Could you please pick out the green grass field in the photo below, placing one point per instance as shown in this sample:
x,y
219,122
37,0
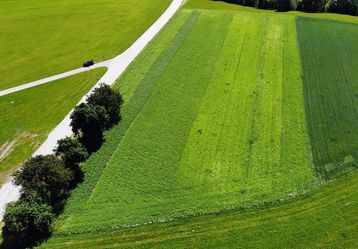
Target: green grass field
x,y
232,123
216,134
42,38
326,218
29,115
331,91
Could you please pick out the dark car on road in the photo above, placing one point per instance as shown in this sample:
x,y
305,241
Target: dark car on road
x,y
88,63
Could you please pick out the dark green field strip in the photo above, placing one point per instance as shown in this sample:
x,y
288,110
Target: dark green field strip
x,y
329,63
96,164
241,150
326,218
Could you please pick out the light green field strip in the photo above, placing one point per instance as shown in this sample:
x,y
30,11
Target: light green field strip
x,y
241,142
297,166
331,90
202,163
47,37
28,116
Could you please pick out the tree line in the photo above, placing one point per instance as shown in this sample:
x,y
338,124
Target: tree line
x,y
46,180
349,7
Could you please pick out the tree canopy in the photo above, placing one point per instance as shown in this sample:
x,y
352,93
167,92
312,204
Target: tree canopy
x,y
26,223
88,123
111,100
47,176
71,152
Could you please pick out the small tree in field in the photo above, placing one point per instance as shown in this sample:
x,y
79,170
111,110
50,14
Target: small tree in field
x,y
88,123
47,176
26,224
111,100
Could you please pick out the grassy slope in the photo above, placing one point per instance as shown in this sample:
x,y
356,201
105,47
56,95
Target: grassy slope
x,y
326,218
29,115
331,91
133,92
173,103
207,133
42,38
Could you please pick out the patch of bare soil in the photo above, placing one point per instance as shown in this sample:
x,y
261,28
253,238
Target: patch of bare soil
x,y
6,149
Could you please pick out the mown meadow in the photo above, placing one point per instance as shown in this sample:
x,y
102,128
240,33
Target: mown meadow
x,y
43,38
216,134
331,92
28,116
325,218
226,136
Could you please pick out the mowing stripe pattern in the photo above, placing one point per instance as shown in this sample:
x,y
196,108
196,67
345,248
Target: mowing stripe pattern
x,y
204,127
331,91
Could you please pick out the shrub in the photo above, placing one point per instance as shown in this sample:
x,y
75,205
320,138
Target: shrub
x,y
111,100
27,223
47,176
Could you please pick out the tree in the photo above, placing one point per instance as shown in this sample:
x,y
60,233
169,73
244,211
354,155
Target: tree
x,y
111,100
31,196
266,4
312,5
88,123
284,5
47,176
72,153
343,7
26,223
